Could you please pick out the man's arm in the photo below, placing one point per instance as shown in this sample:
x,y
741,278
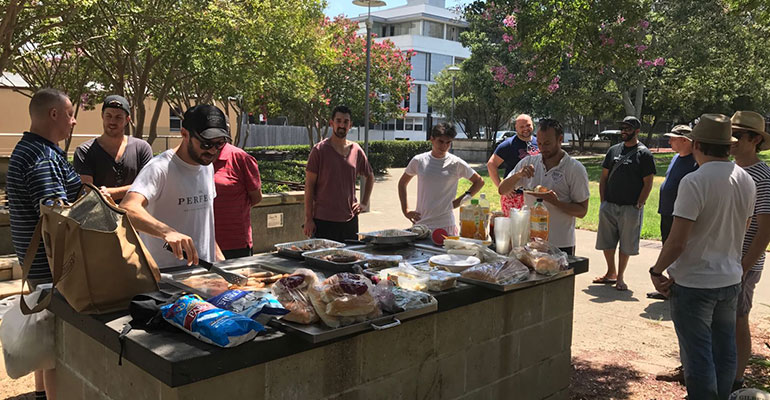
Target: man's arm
x,y
492,167
413,216
116,193
603,183
310,181
759,244
477,184
367,192
134,204
255,197
645,190
672,249
519,173
574,209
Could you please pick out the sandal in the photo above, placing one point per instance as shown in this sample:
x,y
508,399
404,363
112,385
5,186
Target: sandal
x,y
604,280
621,286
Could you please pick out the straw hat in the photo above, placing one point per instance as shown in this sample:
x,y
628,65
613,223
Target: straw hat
x,y
713,129
754,122
679,131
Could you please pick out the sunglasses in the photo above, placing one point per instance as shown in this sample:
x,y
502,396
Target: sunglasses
x,y
739,134
209,144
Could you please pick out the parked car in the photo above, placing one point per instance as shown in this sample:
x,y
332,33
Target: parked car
x,y
500,136
609,134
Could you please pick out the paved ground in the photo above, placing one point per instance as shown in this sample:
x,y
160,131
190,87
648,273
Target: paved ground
x,y
617,329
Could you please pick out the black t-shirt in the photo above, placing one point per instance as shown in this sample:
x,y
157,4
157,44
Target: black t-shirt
x,y
91,159
626,183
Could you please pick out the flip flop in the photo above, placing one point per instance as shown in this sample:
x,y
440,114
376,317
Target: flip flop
x,y
604,280
621,286
656,296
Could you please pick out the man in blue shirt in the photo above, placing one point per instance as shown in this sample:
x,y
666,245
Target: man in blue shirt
x,y
38,169
513,149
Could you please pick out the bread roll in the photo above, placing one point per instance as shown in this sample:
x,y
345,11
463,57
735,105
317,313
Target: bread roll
x,y
292,293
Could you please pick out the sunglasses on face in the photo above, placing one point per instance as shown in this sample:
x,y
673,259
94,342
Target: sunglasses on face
x,y
739,134
209,144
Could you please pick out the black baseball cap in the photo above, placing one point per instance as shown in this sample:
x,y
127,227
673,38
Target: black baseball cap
x,y
206,120
116,101
631,121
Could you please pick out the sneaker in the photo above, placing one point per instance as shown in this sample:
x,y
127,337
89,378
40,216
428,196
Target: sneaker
x,y
673,375
737,385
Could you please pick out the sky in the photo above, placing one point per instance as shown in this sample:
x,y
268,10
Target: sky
x,y
337,7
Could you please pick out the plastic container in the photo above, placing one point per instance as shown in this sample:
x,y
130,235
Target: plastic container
x,y
539,221
486,211
520,224
502,235
471,221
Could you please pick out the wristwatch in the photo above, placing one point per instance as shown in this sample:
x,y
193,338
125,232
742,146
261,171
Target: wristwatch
x,y
468,192
655,274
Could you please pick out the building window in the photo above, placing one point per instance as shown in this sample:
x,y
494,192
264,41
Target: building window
x,y
409,124
420,66
437,63
414,99
391,125
418,124
174,122
407,28
453,33
433,29
399,124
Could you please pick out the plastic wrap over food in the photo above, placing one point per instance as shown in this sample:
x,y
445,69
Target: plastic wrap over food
x,y
542,256
380,262
343,299
504,272
471,248
409,299
259,306
383,293
292,293
439,280
209,323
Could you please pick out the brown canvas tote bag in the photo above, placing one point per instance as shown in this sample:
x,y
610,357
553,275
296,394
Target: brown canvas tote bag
x,y
97,259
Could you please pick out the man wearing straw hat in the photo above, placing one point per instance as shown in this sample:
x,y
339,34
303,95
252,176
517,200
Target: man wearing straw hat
x,y
749,131
702,255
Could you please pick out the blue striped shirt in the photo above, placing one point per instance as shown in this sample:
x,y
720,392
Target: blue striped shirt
x,y
38,169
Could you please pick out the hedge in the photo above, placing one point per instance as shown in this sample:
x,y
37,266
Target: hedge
x,y
383,154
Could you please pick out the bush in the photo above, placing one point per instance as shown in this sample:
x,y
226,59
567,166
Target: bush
x,y
299,152
400,150
380,162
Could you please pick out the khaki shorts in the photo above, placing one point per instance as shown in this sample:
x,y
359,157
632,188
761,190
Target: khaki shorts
x,y
619,224
746,296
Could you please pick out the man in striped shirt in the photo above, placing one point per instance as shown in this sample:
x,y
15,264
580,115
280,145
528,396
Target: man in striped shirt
x,y
39,170
749,129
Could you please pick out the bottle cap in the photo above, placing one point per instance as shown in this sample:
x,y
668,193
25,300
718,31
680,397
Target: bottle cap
x,y
475,201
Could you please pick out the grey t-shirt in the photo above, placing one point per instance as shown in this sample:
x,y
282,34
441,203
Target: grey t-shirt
x,y
91,159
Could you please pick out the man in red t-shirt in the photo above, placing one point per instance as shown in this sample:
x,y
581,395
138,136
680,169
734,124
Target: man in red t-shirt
x,y
236,177
331,207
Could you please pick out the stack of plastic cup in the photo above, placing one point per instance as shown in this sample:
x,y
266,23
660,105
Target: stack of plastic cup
x,y
503,235
519,226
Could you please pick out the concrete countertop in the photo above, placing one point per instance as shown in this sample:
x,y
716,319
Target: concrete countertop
x,y
176,358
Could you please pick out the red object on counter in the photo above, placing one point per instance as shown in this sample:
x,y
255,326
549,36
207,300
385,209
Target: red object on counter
x,y
439,235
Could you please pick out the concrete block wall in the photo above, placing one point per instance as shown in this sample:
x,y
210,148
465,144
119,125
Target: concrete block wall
x,y
515,346
471,150
292,207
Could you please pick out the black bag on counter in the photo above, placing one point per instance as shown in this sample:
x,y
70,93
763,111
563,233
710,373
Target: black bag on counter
x,y
145,315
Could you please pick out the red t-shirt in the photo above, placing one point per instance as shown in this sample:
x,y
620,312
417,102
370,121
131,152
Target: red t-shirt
x,y
235,175
335,188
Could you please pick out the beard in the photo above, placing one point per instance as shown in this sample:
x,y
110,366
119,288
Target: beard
x,y
627,136
341,133
198,158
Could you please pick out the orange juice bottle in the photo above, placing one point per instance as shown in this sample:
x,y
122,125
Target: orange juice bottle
x,y
539,221
469,219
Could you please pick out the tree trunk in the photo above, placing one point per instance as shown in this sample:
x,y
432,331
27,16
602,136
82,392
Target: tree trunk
x,y
649,134
632,108
154,119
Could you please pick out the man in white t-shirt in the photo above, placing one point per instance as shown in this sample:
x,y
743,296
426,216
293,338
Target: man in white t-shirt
x,y
703,258
564,177
172,199
437,174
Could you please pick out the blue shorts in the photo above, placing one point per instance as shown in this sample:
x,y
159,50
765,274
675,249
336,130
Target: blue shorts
x,y
619,224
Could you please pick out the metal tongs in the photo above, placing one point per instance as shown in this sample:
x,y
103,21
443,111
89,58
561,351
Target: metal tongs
x,y
231,277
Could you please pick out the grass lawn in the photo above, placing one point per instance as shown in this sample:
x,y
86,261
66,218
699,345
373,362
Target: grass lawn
x,y
651,224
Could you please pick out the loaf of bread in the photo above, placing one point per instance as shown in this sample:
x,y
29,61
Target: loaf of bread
x,y
292,293
343,299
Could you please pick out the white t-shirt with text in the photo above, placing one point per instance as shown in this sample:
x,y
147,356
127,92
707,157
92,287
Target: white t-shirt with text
x,y
719,199
437,186
569,181
181,196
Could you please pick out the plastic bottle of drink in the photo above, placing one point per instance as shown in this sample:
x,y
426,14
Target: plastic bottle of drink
x,y
485,213
539,221
468,216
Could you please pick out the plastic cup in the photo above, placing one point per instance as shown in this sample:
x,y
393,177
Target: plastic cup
x,y
503,235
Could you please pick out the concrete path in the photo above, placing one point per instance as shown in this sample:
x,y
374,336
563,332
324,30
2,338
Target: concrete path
x,y
626,324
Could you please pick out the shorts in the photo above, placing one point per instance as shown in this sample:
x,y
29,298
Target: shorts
x,y
619,223
337,231
746,296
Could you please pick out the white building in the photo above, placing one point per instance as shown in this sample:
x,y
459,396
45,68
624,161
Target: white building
x,y
433,31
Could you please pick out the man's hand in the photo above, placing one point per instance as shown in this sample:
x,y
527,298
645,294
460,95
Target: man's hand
x,y
180,242
413,216
527,171
662,284
309,228
549,196
358,208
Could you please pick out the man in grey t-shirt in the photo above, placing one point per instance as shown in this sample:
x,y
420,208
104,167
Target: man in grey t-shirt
x,y
113,160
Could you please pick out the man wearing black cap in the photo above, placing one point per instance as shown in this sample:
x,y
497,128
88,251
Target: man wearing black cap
x,y
172,199
113,160
626,181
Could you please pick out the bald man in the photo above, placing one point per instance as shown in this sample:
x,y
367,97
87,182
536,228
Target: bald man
x,y
39,170
513,150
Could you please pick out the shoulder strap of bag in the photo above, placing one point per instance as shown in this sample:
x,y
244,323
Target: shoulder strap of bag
x,y
624,158
29,257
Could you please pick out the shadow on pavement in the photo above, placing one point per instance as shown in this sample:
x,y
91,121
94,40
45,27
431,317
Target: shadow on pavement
x,y
603,381
23,396
608,293
657,311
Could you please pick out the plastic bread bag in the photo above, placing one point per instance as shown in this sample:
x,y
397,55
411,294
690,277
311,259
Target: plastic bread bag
x,y
441,280
383,293
503,272
259,306
406,276
542,256
210,324
292,293
344,299
380,262
410,299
